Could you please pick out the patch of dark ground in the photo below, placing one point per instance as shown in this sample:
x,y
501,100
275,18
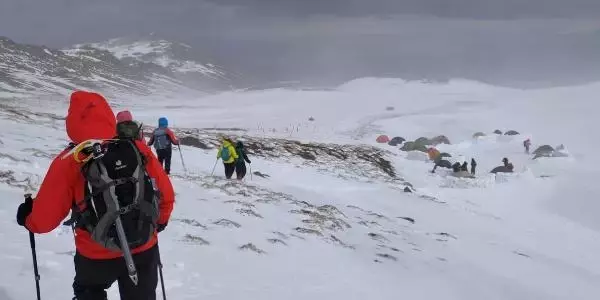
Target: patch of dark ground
x,y
354,160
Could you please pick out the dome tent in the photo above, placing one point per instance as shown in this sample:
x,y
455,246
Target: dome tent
x,y
383,139
395,141
440,139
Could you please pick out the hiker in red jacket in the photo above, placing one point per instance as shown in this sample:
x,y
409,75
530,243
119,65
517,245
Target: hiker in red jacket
x,y
96,267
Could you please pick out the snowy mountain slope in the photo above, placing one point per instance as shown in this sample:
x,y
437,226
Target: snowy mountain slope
x,y
304,231
27,70
174,56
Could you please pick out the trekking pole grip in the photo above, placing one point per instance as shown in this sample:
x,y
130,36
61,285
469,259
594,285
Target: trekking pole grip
x,y
33,255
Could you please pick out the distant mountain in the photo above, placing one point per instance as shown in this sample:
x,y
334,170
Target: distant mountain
x,y
177,57
140,67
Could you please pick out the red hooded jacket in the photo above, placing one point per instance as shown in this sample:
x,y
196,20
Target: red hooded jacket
x,y
89,117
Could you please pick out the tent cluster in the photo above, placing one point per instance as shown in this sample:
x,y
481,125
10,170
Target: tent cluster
x,y
420,144
497,132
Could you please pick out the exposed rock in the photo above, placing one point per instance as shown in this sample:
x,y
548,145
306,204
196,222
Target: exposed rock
x,y
497,131
408,219
190,222
262,175
511,132
194,142
308,231
478,134
378,237
195,239
227,223
407,190
387,256
277,241
252,247
248,212
340,242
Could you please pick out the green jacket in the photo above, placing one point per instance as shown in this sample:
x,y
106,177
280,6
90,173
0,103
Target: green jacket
x,y
233,154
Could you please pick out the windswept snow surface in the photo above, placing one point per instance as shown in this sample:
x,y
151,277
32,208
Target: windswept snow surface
x,y
307,233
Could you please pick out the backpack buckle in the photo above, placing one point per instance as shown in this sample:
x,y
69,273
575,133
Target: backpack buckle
x,y
97,151
128,208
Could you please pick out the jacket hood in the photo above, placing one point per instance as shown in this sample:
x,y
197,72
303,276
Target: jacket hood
x,y
123,116
227,143
89,117
163,122
239,144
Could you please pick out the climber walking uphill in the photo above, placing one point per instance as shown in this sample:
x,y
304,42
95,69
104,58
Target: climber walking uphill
x,y
527,144
240,164
163,138
128,190
229,156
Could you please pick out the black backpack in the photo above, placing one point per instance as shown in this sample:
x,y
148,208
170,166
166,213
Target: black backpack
x,y
118,190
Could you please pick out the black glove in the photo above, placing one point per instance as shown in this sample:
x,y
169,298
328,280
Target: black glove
x,y
24,210
161,227
249,162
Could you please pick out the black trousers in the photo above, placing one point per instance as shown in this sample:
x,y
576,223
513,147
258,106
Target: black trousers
x,y
229,168
93,277
240,170
164,157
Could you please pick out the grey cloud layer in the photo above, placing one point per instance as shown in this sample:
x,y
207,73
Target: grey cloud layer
x,y
501,40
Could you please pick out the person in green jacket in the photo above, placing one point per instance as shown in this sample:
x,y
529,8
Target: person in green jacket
x,y
229,156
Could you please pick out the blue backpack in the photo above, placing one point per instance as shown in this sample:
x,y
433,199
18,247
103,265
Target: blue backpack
x,y
225,155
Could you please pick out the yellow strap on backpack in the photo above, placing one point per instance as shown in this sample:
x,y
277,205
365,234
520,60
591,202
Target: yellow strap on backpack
x,y
76,151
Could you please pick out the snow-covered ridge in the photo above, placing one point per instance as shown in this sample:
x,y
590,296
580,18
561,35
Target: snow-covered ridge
x,y
27,70
175,56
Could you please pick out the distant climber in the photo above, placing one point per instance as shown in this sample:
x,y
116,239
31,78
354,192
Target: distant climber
x,y
162,138
240,163
507,164
229,156
506,168
464,167
527,144
473,166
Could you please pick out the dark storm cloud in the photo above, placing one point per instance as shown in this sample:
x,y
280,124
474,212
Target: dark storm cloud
x,y
478,9
496,40
67,21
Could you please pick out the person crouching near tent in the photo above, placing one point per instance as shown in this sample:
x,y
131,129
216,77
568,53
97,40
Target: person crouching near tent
x,y
229,156
240,163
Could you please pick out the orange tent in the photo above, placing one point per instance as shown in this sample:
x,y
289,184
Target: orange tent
x,y
383,139
433,153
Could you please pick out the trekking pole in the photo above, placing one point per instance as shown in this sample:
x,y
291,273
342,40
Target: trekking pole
x,y
250,172
182,162
214,167
33,254
160,272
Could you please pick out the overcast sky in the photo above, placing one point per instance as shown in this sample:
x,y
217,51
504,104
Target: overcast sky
x,y
535,40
